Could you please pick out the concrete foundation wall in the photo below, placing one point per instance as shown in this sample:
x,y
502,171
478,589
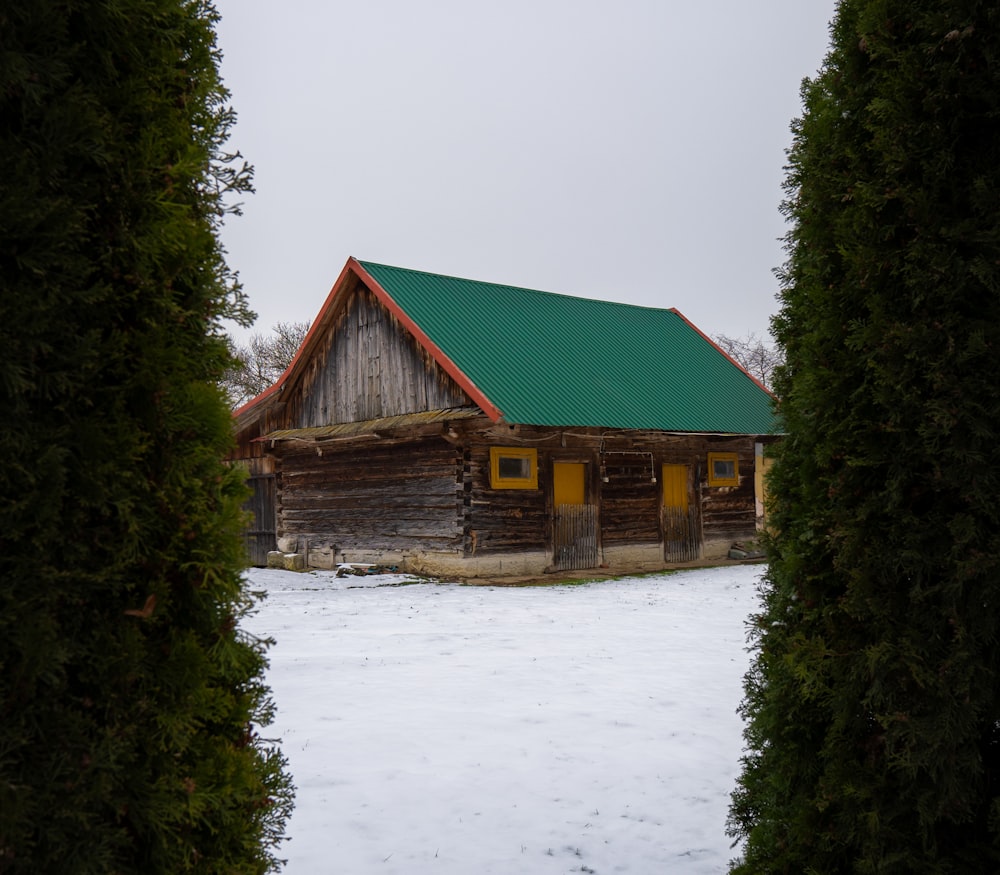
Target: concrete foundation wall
x,y
716,549
633,557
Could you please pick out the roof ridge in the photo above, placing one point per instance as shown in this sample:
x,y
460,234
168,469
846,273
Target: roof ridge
x,y
546,293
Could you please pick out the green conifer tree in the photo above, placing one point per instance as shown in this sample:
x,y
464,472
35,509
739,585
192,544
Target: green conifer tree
x,y
873,703
129,698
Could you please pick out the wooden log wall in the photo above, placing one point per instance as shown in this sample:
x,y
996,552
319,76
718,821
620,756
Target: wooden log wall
x,y
434,494
630,499
622,467
729,512
252,454
373,496
260,506
503,520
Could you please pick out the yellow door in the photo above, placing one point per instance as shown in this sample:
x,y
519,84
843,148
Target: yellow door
x,y
680,525
567,479
574,522
675,486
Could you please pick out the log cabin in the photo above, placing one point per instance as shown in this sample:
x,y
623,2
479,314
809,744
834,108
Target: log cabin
x,y
452,427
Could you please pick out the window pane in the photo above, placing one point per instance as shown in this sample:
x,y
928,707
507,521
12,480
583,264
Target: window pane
x,y
514,467
723,469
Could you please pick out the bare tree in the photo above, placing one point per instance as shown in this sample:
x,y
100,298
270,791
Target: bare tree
x,y
757,357
263,359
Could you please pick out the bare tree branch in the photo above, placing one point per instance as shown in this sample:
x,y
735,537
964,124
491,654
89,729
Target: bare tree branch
x,y
263,359
753,354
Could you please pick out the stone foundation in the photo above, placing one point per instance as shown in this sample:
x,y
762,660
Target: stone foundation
x,y
715,549
300,556
635,557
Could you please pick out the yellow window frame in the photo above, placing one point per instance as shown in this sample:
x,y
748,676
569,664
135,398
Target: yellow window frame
x,y
724,475
501,458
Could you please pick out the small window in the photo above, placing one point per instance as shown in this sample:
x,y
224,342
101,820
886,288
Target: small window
x,y
513,468
723,469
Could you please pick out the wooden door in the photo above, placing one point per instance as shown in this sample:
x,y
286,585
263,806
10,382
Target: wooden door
x,y
260,536
680,520
574,528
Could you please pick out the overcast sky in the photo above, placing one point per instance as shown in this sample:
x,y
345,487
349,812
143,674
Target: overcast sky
x,y
631,150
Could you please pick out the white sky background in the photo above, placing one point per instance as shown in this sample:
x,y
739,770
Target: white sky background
x,y
630,151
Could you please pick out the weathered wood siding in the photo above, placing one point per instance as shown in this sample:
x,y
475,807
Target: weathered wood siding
x,y
429,490
260,507
624,472
251,453
260,535
729,512
367,367
681,534
630,498
576,544
502,520
404,496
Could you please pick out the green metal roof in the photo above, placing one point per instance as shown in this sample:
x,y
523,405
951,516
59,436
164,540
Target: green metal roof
x,y
555,360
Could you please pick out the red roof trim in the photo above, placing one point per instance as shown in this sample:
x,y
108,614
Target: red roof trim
x,y
314,329
709,340
353,266
453,370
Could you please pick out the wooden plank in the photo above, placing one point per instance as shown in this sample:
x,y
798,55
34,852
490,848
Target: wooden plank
x,y
575,538
260,537
681,538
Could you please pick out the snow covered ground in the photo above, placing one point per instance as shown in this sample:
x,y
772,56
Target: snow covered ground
x,y
438,728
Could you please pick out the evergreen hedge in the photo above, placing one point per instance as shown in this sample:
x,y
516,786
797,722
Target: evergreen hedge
x,y
873,703
129,697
